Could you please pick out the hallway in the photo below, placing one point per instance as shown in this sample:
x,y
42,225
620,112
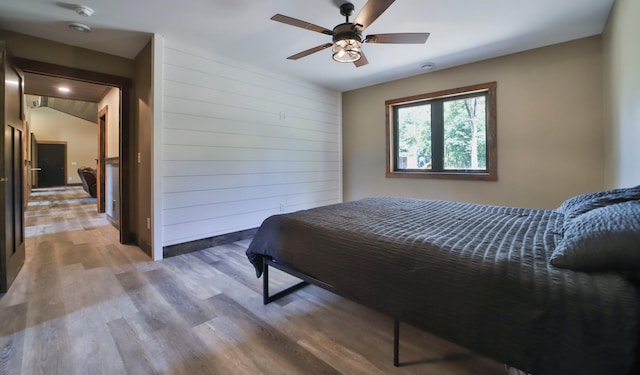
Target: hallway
x,y
60,209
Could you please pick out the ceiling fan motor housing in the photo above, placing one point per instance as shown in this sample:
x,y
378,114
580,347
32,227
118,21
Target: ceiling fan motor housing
x,y
346,31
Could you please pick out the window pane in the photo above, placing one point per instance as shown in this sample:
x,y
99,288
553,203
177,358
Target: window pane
x,y
414,137
465,134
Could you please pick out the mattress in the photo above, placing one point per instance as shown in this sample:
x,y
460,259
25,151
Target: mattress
x,y
476,275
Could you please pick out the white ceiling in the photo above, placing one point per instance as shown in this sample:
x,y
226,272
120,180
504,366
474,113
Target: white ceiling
x,y
462,31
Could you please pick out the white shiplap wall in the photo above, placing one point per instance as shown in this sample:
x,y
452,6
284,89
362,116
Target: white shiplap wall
x,y
241,144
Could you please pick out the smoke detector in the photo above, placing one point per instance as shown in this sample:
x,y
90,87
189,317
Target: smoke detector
x,y
84,10
77,26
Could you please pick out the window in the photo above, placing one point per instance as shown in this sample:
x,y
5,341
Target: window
x,y
446,134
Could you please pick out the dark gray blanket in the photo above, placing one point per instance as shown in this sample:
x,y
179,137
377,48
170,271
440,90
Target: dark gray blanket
x,y
476,275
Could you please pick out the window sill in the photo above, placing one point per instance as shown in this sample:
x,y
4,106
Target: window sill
x,y
482,176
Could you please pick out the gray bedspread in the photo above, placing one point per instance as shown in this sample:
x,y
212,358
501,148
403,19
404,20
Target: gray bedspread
x,y
476,275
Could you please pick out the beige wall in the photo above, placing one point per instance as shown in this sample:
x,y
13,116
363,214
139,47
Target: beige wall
x,y
142,144
621,58
549,129
81,136
112,102
38,49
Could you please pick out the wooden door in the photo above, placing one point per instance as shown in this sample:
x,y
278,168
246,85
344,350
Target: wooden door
x,y
11,172
52,164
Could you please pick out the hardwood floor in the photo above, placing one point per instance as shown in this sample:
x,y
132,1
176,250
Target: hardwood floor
x,y
85,304
61,209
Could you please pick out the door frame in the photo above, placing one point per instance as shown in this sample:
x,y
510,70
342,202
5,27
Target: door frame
x,y
26,158
125,131
33,171
103,121
64,143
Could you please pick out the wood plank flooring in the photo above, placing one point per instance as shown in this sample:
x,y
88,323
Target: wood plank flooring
x,y
85,304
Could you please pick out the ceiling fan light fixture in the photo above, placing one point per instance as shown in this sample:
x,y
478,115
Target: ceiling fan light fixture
x,y
347,50
347,43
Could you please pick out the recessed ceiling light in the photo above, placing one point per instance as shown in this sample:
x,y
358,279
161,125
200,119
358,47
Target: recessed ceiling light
x,y
77,26
64,89
83,10
428,66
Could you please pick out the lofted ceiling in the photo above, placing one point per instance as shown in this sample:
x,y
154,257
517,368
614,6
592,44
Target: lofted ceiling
x,y
462,31
42,85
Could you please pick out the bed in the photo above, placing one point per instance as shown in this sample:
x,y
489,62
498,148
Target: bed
x,y
545,291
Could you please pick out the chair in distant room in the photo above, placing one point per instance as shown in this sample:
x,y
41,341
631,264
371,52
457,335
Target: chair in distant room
x,y
89,180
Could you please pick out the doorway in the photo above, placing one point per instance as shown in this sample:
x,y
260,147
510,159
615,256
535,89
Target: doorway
x,y
53,71
52,164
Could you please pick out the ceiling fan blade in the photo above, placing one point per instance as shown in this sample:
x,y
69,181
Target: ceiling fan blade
x,y
402,38
299,23
309,51
361,61
371,11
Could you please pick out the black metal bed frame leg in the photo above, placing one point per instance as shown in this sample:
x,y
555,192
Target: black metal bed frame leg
x,y
306,280
265,283
266,298
396,342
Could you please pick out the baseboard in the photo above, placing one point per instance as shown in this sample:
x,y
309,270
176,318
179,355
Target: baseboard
x,y
114,222
189,247
144,246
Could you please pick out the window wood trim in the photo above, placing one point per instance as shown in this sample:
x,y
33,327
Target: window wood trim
x,y
491,174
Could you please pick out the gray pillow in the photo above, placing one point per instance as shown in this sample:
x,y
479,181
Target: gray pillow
x,y
603,239
580,204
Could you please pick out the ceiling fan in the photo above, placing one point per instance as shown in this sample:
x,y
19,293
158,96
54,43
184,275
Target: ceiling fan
x,y
347,37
